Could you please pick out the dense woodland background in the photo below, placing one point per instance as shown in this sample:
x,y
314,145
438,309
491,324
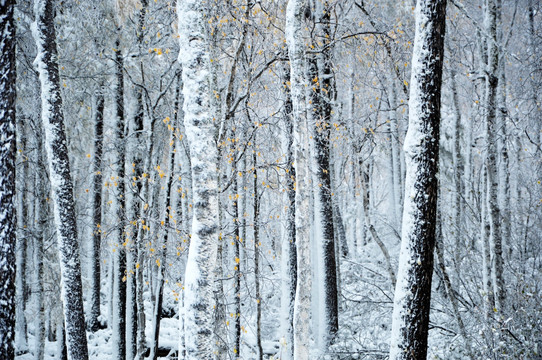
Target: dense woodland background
x,y
130,164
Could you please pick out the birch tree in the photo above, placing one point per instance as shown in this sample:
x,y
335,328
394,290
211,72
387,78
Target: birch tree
x,y
7,179
492,84
61,182
97,213
119,288
410,322
319,117
289,244
200,131
294,19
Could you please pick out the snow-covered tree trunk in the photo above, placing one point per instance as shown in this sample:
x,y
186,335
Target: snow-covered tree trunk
x,y
7,179
61,183
38,288
289,253
302,308
200,132
322,90
119,297
23,193
95,286
323,228
492,84
413,291
237,270
256,227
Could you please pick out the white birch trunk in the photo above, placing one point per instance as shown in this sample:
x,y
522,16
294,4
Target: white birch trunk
x,y
302,319
200,130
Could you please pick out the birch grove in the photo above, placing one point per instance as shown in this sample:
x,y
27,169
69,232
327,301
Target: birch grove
x,y
301,179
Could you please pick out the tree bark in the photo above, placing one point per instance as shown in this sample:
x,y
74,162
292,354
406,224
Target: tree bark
x,y
302,318
413,291
38,290
119,303
492,83
61,183
200,131
256,227
327,93
94,324
289,249
7,179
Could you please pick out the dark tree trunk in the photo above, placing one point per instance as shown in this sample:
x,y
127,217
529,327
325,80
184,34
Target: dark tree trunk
x,y
495,219
237,274
413,291
38,290
257,257
61,182
119,305
291,264
322,95
7,179
321,117
94,324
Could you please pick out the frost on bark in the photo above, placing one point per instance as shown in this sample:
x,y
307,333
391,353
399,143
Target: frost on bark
x,y
38,289
492,84
289,245
321,92
61,182
119,297
294,16
200,131
97,214
413,290
7,180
